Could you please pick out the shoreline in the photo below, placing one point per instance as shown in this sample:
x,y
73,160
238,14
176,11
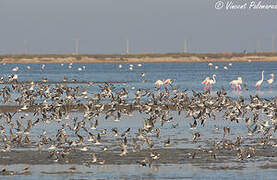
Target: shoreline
x,y
137,58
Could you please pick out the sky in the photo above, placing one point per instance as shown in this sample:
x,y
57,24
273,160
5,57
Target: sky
x,y
157,26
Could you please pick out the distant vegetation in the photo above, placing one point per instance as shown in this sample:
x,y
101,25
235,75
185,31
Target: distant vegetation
x,y
139,55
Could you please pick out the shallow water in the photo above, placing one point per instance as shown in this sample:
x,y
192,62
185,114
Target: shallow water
x,y
122,172
186,76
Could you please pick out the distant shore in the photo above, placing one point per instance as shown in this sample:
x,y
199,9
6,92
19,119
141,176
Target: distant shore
x,y
136,58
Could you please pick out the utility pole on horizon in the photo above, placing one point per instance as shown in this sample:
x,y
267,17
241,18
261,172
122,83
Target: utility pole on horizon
x,y
127,46
76,40
185,46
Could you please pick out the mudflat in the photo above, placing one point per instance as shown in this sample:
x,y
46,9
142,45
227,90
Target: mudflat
x,y
166,156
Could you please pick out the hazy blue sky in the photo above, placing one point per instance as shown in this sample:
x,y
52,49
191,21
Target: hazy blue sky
x,y
49,26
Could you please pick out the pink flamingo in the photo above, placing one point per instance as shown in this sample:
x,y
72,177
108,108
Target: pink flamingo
x,y
236,84
259,83
209,82
270,81
159,83
166,82
212,81
206,82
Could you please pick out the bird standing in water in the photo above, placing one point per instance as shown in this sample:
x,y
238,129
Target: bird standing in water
x,y
159,83
236,84
259,83
212,81
209,82
206,82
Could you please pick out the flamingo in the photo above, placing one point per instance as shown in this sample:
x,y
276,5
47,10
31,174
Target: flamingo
x,y
166,82
271,80
15,69
206,82
212,81
159,83
259,83
210,65
236,83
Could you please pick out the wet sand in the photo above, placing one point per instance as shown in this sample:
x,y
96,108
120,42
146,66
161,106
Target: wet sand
x,y
167,156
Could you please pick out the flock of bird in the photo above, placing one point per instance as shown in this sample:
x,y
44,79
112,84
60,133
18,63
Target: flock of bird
x,y
235,84
39,105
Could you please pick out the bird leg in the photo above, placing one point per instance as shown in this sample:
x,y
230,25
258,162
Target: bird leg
x,y
205,86
233,87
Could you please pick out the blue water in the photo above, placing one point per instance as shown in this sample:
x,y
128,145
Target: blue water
x,y
186,76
